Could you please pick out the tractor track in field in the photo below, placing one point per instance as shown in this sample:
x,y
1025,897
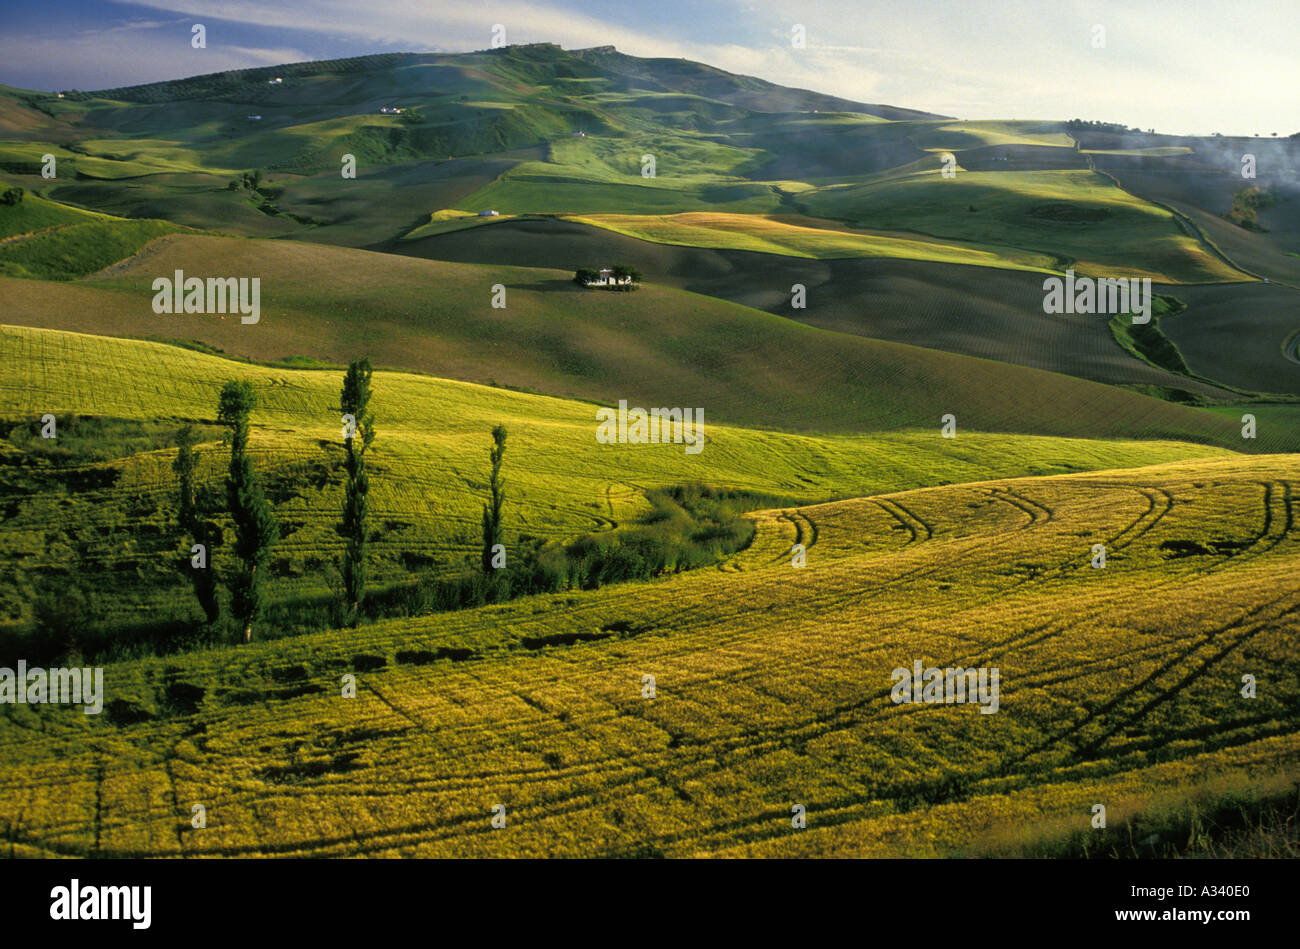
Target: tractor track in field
x,y
1156,498
1197,673
710,759
99,805
1183,656
913,524
806,536
1272,490
1035,509
1004,769
1038,634
1276,494
396,709
983,545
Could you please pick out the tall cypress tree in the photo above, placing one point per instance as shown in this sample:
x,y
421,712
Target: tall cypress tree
x,y
191,520
256,529
492,532
357,436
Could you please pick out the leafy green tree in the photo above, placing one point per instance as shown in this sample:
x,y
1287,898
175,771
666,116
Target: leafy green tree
x,y
191,520
623,272
358,433
492,532
256,529
585,276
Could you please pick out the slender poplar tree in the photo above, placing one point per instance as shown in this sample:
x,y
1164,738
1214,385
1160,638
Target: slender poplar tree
x,y
492,532
358,433
256,529
202,578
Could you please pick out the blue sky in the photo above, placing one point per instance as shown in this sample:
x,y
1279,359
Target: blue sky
x,y
1194,66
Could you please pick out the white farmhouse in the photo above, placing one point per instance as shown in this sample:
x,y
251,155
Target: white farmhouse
x,y
606,278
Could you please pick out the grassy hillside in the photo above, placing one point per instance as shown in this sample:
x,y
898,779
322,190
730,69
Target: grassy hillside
x,y
106,521
800,237
772,688
33,213
1240,335
1076,215
76,250
655,346
51,241
634,565
991,312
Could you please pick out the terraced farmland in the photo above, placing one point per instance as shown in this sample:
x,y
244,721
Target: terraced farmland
x,y
772,689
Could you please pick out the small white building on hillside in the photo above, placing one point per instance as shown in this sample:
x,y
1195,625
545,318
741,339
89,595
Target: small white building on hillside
x,y
605,278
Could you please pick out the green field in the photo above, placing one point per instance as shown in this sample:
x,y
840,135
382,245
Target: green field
x,y
1051,211
34,214
76,250
429,467
801,237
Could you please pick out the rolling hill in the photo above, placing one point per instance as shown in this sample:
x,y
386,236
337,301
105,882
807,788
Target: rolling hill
x,y
738,165
656,346
109,521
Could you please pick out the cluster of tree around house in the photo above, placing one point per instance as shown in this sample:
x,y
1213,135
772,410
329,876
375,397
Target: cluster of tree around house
x,y
618,277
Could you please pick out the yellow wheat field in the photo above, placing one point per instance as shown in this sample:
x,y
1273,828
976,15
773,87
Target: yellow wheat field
x,y
772,688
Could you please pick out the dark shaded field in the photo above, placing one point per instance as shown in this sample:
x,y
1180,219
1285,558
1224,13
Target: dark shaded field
x,y
1237,333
